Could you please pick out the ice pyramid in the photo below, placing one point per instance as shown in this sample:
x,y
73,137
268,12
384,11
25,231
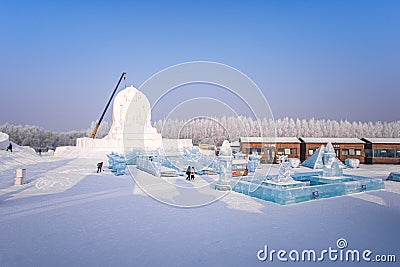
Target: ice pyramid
x,y
316,160
329,148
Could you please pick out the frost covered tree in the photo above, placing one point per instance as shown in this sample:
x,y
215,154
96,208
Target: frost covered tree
x,y
233,127
101,132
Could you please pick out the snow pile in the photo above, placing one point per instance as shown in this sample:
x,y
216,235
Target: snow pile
x,y
4,140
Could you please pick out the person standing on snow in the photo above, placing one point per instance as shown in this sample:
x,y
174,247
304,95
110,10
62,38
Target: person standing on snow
x,y
192,174
9,147
188,173
99,166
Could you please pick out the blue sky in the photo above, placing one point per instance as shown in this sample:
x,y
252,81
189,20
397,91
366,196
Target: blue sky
x,y
60,60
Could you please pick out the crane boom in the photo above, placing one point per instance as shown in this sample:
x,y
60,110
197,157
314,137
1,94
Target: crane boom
x,y
105,109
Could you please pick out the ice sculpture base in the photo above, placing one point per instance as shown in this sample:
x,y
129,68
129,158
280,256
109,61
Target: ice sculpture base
x,y
314,187
284,185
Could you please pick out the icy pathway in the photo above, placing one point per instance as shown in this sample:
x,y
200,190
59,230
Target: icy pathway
x,y
104,220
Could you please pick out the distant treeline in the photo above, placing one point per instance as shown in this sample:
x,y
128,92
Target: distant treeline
x,y
231,128
38,138
213,130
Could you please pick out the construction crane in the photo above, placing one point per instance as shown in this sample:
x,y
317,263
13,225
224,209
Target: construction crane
x,y
108,104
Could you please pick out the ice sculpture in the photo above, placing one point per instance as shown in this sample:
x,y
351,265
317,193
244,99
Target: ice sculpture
x,y
192,153
254,162
116,163
333,170
352,163
394,176
323,156
239,155
315,161
286,189
225,167
294,162
284,173
110,160
331,164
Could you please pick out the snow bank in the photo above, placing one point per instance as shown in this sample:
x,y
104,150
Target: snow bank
x,y
69,152
4,140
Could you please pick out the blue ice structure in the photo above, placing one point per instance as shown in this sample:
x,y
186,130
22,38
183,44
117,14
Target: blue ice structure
x,y
315,161
294,162
156,164
130,157
307,187
254,162
116,163
394,176
225,167
192,156
287,188
111,160
148,164
352,163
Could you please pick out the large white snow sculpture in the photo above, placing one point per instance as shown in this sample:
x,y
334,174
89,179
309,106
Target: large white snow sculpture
x,y
131,128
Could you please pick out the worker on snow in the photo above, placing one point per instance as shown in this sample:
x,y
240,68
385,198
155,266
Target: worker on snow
x,y
99,167
9,147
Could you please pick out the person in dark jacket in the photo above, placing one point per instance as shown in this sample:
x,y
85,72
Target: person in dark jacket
x,y
9,147
188,173
192,174
99,167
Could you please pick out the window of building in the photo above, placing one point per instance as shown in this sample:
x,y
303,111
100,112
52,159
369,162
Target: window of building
x,y
384,153
293,151
358,152
398,154
391,153
345,152
379,153
254,150
287,151
281,151
310,152
352,152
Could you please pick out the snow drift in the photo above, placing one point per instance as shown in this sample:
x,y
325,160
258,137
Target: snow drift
x,y
4,140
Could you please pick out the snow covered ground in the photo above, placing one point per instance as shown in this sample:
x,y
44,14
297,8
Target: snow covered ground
x,y
68,215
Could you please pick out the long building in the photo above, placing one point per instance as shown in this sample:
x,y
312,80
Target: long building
x,y
344,147
382,150
367,150
270,148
